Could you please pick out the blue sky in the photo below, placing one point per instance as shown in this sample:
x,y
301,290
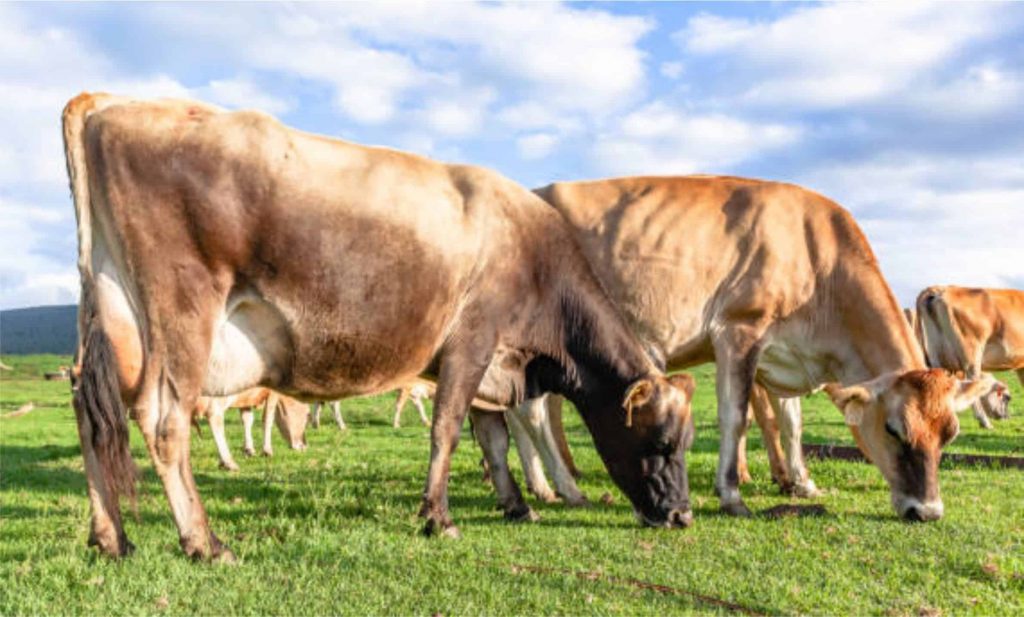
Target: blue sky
x,y
907,114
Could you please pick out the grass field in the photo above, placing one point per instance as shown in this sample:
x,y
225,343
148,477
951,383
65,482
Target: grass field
x,y
333,530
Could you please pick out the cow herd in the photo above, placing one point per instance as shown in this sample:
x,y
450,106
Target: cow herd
x,y
222,251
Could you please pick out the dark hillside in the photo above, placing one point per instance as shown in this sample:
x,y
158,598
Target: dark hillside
x,y
39,329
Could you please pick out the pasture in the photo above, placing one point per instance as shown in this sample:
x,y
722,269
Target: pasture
x,y
333,530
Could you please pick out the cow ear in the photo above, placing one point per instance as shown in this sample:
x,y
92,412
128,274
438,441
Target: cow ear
x,y
685,382
851,401
966,392
639,393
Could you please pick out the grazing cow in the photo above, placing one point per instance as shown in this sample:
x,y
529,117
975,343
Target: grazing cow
x,y
221,251
287,413
777,285
973,330
417,392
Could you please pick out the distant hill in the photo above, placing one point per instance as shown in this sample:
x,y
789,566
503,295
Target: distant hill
x,y
40,329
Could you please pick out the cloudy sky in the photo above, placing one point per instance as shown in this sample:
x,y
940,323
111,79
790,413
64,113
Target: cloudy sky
x,y
910,115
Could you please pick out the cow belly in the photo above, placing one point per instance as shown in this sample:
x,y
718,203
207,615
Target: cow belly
x,y
250,347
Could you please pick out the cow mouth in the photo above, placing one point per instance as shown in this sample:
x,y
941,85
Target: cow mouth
x,y
667,491
677,518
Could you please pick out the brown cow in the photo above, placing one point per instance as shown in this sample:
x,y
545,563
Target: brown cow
x,y
221,251
775,284
973,330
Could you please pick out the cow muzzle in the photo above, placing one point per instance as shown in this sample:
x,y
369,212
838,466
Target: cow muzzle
x,y
913,510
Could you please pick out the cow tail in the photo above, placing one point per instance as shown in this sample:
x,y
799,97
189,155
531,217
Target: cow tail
x,y
102,417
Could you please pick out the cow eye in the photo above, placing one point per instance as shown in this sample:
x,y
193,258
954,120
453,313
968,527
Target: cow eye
x,y
895,435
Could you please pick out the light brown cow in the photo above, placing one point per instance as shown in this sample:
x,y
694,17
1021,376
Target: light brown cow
x,y
288,414
973,330
221,251
775,284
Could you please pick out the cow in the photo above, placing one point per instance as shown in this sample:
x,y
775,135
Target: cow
x,y
287,413
778,286
417,392
219,251
972,330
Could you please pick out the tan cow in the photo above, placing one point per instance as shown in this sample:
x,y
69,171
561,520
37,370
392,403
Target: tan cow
x,y
973,330
288,414
777,285
221,251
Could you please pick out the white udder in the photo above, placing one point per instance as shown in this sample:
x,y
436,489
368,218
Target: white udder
x,y
250,347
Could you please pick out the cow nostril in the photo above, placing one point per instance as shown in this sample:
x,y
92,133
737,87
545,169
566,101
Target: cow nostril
x,y
680,518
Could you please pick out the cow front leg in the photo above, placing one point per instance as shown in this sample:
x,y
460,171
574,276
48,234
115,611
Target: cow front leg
x,y
981,416
165,427
742,469
269,411
529,458
492,434
554,402
403,396
315,419
761,409
418,402
461,371
736,357
217,411
248,419
788,413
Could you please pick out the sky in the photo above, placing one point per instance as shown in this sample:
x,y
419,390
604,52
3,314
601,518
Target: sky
x,y
909,115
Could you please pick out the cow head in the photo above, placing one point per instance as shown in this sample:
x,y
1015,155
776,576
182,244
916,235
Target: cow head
x,y
902,421
291,420
643,444
996,402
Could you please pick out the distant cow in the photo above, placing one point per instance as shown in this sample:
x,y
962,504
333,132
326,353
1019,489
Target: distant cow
x,y
778,286
287,413
973,330
221,251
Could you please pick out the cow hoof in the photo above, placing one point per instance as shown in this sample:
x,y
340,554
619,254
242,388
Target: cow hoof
x,y
115,548
744,477
441,527
522,515
229,466
545,496
737,509
249,452
268,453
806,491
577,501
224,556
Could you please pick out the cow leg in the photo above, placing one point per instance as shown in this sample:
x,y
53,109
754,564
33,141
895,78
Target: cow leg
x,y
736,355
403,396
981,416
315,420
336,406
492,434
217,411
529,457
248,419
762,411
788,413
164,423
462,370
742,469
418,402
554,402
533,414
269,410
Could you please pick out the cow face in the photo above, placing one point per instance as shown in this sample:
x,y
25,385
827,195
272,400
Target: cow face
x,y
902,422
643,448
291,421
996,402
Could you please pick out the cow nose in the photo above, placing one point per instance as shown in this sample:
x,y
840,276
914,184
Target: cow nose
x,y
680,518
913,514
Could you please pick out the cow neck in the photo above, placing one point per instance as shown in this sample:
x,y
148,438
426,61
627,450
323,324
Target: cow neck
x,y
601,356
878,338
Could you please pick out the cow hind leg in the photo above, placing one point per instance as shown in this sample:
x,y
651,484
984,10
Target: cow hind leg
x,y
533,414
336,406
788,413
491,433
315,415
529,458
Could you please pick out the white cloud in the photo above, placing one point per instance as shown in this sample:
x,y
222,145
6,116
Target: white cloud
x,y
661,140
458,114
536,146
840,54
671,70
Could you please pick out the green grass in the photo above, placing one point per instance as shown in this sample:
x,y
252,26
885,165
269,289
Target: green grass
x,y
333,530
